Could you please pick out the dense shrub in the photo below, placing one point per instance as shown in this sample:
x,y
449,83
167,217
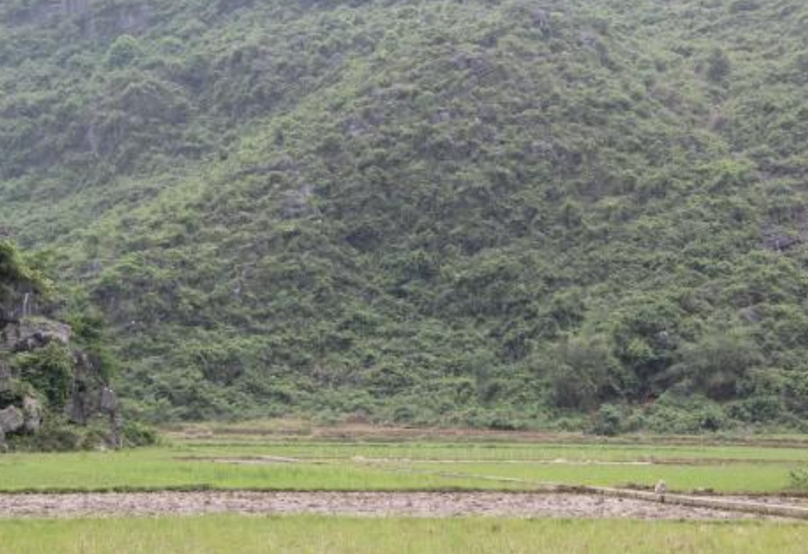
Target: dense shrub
x,y
50,371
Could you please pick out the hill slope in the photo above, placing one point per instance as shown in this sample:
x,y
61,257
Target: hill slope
x,y
490,213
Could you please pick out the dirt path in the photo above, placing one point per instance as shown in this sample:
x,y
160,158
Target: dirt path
x,y
437,504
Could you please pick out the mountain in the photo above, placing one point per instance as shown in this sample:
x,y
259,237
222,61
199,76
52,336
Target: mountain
x,y
589,213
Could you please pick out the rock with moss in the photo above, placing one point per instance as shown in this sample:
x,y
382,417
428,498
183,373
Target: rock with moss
x,y
5,377
32,415
12,420
49,380
32,333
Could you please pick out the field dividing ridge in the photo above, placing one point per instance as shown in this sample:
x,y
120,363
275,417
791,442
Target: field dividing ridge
x,y
378,504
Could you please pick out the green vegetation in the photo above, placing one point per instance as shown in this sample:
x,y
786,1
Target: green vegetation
x,y
49,370
293,535
309,464
161,469
16,271
586,216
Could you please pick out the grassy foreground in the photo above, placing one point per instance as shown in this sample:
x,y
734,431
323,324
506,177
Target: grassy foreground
x,y
318,535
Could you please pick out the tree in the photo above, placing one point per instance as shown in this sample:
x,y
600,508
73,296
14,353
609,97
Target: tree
x,y
715,364
124,51
582,371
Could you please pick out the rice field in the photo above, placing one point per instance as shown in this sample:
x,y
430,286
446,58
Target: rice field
x,y
338,535
271,461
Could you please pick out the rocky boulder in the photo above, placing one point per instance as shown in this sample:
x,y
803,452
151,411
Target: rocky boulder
x,y
32,333
109,401
32,415
541,19
86,391
12,420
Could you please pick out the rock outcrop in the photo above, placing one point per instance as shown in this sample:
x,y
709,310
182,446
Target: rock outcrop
x,y
47,378
23,408
12,420
31,333
32,415
5,377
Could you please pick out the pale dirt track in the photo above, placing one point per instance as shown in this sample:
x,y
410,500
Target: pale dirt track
x,y
418,504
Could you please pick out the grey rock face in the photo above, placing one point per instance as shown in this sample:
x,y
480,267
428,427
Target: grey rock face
x,y
297,203
109,400
32,333
11,420
541,19
89,394
780,242
85,396
32,415
5,377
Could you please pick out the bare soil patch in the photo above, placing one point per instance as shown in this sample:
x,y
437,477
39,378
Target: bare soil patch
x,y
259,460
416,504
252,460
245,460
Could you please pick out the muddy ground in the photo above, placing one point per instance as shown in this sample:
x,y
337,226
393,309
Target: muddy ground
x,y
418,504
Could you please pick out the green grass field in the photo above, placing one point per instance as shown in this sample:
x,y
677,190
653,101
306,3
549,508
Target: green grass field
x,y
357,464
154,469
320,535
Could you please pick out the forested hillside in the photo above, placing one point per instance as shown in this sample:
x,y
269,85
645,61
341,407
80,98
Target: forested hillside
x,y
579,213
